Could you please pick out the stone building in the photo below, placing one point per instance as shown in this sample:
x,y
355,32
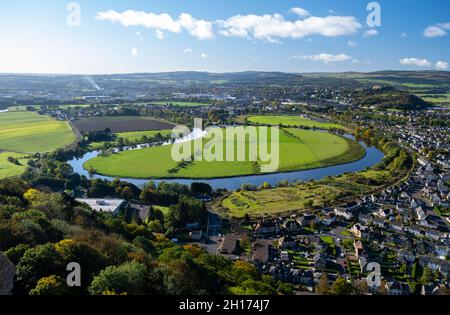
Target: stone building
x,y
7,272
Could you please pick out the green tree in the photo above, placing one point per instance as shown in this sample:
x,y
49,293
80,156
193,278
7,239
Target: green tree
x,y
323,286
52,285
341,287
128,278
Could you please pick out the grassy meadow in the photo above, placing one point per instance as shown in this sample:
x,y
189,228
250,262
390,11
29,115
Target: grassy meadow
x,y
299,150
29,132
8,169
291,121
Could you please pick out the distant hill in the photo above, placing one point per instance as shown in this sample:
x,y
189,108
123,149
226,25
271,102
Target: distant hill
x,y
389,97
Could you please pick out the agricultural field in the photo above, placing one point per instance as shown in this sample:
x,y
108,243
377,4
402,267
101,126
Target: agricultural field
x,y
121,124
23,108
299,150
180,103
291,121
8,169
436,98
29,132
137,135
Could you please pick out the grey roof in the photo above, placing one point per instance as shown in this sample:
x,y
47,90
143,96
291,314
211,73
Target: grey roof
x,y
7,271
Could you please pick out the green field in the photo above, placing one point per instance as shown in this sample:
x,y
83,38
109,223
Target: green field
x,y
436,98
137,135
8,169
291,121
23,108
299,150
29,132
174,103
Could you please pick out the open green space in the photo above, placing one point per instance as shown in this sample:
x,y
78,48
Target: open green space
x,y
29,132
299,150
291,121
8,169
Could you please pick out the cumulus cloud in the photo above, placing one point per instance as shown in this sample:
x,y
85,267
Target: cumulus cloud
x,y
204,55
187,51
442,65
415,62
200,29
352,43
371,32
434,31
325,58
271,27
437,30
134,52
300,12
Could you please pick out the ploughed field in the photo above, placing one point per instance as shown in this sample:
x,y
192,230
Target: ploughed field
x,y
291,121
121,124
299,150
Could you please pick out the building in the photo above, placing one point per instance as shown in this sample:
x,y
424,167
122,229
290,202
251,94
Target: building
x,y
229,244
7,272
105,205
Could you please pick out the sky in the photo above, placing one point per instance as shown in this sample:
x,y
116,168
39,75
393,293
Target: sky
x,y
112,36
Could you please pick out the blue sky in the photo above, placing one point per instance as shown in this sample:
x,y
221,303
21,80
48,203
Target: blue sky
x,y
222,36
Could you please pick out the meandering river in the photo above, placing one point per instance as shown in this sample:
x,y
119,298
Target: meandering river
x,y
372,157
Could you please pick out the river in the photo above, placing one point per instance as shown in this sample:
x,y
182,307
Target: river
x,y
372,157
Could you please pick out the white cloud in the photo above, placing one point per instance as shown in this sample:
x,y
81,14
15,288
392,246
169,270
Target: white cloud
x,y
371,32
352,43
300,12
159,34
437,30
270,27
434,31
325,58
415,62
200,29
204,55
134,52
187,51
442,65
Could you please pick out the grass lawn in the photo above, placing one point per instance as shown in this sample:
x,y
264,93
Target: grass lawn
x,y
8,169
29,132
187,104
299,149
291,121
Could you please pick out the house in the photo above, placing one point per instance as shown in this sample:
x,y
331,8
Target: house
x,y
307,220
441,251
320,262
379,222
359,248
265,228
396,226
396,288
433,234
7,272
415,230
342,212
284,256
286,242
358,229
261,252
420,214
406,256
291,226
329,219
365,218
229,244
